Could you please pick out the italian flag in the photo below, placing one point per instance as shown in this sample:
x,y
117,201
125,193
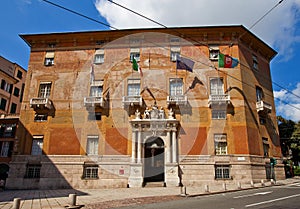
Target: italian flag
x,y
136,67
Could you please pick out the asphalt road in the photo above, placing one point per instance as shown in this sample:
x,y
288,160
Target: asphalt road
x,y
276,197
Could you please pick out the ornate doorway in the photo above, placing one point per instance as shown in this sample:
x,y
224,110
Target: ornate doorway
x,y
154,161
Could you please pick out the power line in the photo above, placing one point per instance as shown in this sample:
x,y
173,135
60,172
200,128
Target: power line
x,y
143,16
79,14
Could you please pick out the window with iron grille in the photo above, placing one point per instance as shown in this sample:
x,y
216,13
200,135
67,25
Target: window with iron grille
x,y
216,86
218,114
90,172
222,172
45,89
176,86
133,87
37,145
33,171
92,145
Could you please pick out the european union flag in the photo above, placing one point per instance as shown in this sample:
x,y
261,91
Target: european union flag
x,y
184,64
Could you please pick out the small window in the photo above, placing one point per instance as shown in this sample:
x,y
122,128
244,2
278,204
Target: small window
x,y
259,94
222,172
45,90
266,146
262,120
96,88
40,117
3,104
6,86
16,92
218,114
90,172
33,171
37,145
214,53
133,87
220,144
176,86
255,62
94,116
92,145
99,56
8,130
13,108
174,53
19,74
135,53
49,59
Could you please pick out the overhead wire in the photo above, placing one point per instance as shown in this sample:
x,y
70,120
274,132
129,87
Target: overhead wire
x,y
164,26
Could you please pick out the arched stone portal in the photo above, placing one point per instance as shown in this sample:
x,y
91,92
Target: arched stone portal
x,y
154,160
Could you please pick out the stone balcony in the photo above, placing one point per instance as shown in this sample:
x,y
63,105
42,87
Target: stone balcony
x,y
263,106
132,100
218,99
177,100
94,101
41,103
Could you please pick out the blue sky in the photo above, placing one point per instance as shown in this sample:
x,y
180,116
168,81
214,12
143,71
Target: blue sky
x,y
280,29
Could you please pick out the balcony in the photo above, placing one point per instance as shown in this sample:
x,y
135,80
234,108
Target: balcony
x,y
262,106
94,101
177,100
132,100
41,103
218,99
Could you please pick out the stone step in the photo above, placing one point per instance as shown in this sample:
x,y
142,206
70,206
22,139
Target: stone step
x,y
155,184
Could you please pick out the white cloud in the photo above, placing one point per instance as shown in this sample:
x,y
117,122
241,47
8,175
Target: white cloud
x,y
276,29
288,103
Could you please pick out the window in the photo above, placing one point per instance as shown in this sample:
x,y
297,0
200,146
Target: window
x,y
220,144
259,94
94,116
49,59
175,52
40,117
99,56
214,53
222,172
176,86
16,92
45,89
8,130
216,86
90,172
134,53
4,149
262,120
3,104
266,146
96,89
133,87
33,171
92,145
13,108
19,74
218,114
6,86
37,145
255,62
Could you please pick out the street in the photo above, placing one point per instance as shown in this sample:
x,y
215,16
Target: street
x,y
284,197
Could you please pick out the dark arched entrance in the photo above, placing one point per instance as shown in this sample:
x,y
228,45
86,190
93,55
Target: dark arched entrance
x,y
4,171
154,161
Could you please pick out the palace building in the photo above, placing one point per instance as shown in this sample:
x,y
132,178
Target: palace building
x,y
124,108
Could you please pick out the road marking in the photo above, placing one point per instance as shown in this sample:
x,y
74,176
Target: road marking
x,y
255,194
269,201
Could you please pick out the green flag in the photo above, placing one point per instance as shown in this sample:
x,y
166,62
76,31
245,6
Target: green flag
x,y
136,67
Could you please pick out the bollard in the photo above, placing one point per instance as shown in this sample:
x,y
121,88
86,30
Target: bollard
x,y
16,204
224,186
206,188
262,182
239,185
72,198
252,183
273,182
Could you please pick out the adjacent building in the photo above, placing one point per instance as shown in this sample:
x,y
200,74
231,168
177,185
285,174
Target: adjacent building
x,y
12,78
124,108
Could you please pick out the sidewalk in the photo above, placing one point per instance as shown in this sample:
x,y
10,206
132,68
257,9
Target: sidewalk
x,y
57,199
